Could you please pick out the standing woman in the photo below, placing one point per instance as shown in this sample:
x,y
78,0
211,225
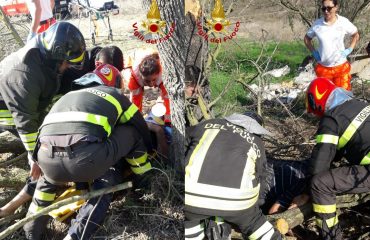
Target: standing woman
x,y
331,56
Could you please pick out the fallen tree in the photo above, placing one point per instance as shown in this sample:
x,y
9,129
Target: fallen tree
x,y
291,218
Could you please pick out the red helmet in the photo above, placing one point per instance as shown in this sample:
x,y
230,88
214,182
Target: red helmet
x,y
317,94
109,75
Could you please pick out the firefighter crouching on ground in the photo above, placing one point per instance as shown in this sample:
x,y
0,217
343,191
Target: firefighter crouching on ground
x,y
144,69
30,78
223,164
85,133
111,55
343,132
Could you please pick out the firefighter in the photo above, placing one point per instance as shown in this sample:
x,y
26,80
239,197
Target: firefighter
x,y
343,132
144,69
85,133
94,57
30,78
111,55
222,180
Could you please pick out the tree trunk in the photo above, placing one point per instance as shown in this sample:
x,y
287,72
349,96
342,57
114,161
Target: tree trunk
x,y
173,61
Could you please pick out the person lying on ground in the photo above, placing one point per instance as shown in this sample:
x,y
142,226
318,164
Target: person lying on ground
x,y
282,184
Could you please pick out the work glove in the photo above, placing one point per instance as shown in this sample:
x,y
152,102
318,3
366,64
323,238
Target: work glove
x,y
316,55
346,52
30,36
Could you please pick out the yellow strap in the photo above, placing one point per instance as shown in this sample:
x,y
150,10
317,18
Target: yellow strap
x,y
128,114
137,161
34,208
7,121
105,96
353,126
44,196
29,137
142,169
78,59
327,138
29,146
365,160
197,157
5,114
331,222
324,208
63,117
219,204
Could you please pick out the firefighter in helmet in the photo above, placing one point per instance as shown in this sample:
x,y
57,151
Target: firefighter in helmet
x,y
222,180
30,78
84,134
343,132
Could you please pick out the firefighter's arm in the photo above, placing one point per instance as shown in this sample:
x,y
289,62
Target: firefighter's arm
x,y
22,99
325,150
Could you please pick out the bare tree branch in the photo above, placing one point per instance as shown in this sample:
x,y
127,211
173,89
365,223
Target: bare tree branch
x,y
59,204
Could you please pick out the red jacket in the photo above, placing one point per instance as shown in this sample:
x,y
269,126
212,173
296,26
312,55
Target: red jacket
x,y
136,87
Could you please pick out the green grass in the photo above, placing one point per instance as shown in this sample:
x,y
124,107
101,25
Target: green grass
x,y
235,55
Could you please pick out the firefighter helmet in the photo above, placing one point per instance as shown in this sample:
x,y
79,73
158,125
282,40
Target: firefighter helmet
x,y
109,75
318,93
63,41
255,116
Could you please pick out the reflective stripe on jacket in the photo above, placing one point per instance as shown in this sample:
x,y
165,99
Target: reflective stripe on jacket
x,y
223,165
343,132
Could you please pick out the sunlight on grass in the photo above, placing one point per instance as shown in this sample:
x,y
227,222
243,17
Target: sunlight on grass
x,y
236,55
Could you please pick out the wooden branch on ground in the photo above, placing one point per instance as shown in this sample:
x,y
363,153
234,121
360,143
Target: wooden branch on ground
x,y
13,217
294,217
59,204
10,143
13,160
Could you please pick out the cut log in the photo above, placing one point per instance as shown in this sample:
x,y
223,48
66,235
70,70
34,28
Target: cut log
x,y
10,143
294,217
297,216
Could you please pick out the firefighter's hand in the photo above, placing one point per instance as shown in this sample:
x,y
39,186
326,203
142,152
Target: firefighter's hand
x,y
299,200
